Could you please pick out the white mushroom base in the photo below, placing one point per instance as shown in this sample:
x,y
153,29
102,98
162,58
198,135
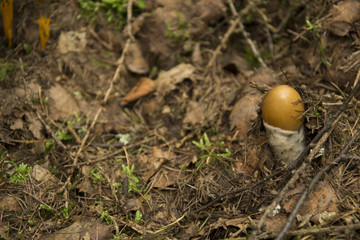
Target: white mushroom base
x,y
286,145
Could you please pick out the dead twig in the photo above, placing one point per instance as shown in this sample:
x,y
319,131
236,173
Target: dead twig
x,y
246,35
313,183
123,54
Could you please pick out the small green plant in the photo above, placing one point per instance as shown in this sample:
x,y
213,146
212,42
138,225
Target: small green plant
x,y
116,10
138,216
20,173
65,210
96,175
5,68
315,29
209,150
49,146
105,215
133,180
3,154
180,32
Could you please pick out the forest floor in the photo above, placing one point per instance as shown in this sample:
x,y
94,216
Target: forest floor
x,y
143,120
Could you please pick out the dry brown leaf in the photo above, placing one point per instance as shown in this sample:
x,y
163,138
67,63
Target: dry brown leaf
x,y
166,177
135,60
72,42
62,103
17,124
86,229
195,113
321,205
160,154
167,80
245,113
44,176
210,10
9,203
35,125
3,230
141,89
344,15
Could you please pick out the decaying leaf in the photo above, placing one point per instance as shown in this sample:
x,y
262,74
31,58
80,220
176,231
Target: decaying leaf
x,y
62,103
166,177
195,113
141,89
9,203
167,80
135,60
44,177
344,15
3,230
35,125
321,205
72,42
86,229
246,110
245,113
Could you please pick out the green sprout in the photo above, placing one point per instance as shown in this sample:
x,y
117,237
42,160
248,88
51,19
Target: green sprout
x,y
116,10
315,29
96,176
21,172
133,180
209,150
180,32
138,216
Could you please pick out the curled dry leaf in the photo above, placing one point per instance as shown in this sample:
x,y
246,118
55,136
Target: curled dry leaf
x,y
245,113
167,80
246,110
135,60
343,16
141,89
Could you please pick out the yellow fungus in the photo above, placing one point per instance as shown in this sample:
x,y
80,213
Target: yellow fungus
x,y
43,30
7,16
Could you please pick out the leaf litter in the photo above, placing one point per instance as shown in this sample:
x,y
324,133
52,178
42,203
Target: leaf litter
x,y
160,185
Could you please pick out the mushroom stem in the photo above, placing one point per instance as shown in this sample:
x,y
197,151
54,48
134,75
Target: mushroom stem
x,y
287,145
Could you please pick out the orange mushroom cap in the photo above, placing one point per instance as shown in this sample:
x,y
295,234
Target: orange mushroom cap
x,y
283,108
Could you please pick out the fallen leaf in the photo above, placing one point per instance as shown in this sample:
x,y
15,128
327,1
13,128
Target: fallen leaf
x,y
87,229
167,80
141,89
18,124
344,14
210,11
9,203
62,103
245,112
320,206
194,113
166,177
44,176
135,60
3,230
35,125
72,41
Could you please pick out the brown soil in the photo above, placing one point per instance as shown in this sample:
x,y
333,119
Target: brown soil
x,y
154,130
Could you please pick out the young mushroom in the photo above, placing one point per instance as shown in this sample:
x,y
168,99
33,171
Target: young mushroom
x,y
282,113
